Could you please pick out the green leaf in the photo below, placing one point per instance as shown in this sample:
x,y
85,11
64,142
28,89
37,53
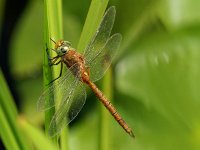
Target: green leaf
x,y
9,129
53,30
6,133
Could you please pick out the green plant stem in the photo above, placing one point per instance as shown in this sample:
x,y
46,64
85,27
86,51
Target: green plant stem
x,y
47,74
64,137
53,29
104,121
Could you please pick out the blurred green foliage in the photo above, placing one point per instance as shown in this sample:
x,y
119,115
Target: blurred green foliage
x,y
156,75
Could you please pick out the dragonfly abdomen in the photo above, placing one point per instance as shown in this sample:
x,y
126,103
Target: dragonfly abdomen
x,y
110,108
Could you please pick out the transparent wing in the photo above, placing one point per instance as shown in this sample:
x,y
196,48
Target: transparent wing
x,y
64,83
46,100
69,108
101,62
101,35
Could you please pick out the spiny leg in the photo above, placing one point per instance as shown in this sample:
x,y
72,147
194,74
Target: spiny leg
x,y
53,61
56,63
48,52
60,72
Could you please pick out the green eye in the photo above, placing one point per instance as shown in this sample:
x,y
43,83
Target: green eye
x,y
64,49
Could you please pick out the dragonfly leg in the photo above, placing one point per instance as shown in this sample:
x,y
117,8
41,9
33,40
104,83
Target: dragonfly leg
x,y
48,52
59,74
53,61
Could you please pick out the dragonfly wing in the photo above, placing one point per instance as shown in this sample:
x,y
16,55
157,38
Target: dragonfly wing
x,y
69,108
101,62
46,100
101,35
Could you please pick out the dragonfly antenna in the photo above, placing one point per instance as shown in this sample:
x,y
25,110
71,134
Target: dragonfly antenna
x,y
53,40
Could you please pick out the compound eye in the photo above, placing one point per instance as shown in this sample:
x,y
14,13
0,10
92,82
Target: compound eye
x,y
64,49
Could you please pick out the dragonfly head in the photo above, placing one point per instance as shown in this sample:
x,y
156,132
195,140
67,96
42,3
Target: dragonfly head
x,y
62,47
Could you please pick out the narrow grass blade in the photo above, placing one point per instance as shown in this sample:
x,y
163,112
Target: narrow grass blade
x,y
9,127
6,134
95,13
53,29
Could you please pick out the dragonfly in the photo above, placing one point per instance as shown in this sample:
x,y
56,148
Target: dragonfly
x,y
82,70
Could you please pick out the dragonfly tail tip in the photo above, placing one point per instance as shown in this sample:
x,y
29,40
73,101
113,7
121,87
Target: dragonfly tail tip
x,y
132,135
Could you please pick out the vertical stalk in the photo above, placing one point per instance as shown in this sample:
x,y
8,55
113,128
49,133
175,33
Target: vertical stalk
x,y
104,124
53,29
